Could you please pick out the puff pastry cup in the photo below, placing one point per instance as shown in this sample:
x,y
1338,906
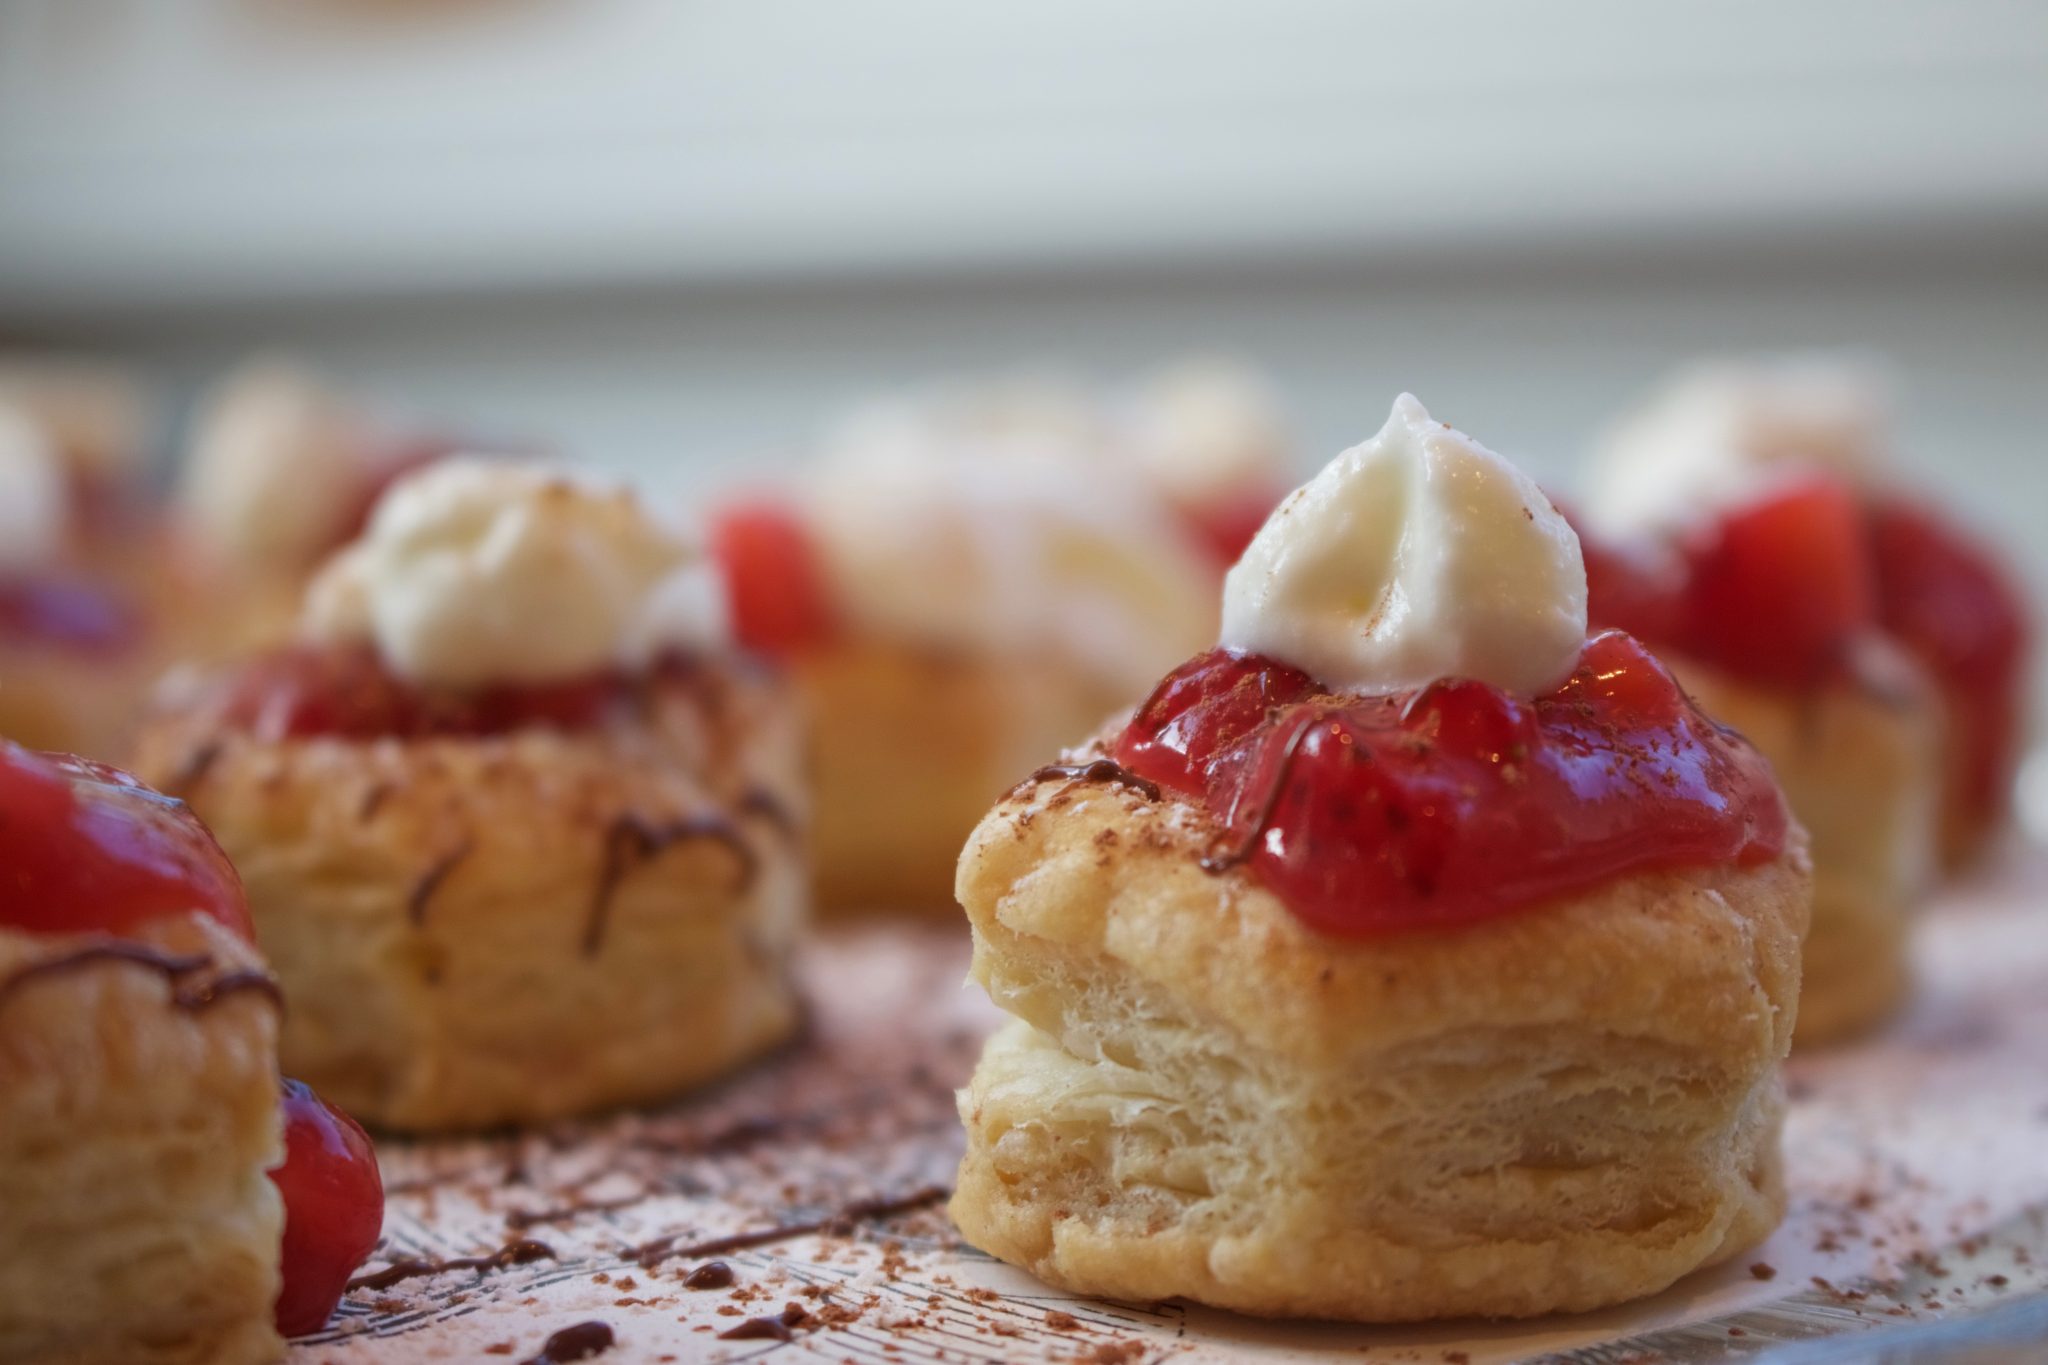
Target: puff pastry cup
x,y
138,1115
1861,765
1554,1110
505,928
887,832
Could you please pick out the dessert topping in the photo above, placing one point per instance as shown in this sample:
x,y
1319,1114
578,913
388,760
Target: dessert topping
x,y
1457,801
87,847
472,573
333,1207
1414,556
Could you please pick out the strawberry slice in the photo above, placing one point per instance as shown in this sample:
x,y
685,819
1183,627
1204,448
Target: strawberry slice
x,y
1782,587
774,576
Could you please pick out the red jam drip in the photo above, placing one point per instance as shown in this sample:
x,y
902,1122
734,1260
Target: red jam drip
x,y
68,613
333,1208
1457,803
778,590
1776,592
1952,605
349,694
84,847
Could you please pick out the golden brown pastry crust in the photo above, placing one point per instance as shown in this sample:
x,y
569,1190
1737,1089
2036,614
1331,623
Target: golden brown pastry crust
x,y
1557,1109
908,747
1861,765
135,1133
508,929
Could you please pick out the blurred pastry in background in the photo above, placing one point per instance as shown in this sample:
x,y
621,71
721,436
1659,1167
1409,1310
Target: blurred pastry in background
x,y
1754,576
1389,964
100,420
281,469
955,586
521,836
77,642
1209,436
1942,591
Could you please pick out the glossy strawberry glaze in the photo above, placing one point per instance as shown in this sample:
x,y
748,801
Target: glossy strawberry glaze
x,y
1457,803
67,613
781,603
1952,605
349,694
334,1207
84,847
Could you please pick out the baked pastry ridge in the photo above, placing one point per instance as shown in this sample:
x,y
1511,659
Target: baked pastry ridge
x,y
1353,1084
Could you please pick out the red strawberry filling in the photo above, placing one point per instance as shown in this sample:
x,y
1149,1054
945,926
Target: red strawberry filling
x,y
774,576
87,847
1371,815
333,1207
1952,605
349,694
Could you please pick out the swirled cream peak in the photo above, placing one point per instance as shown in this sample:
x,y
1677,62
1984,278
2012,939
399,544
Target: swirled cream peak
x,y
1718,433
474,572
34,503
1417,555
277,464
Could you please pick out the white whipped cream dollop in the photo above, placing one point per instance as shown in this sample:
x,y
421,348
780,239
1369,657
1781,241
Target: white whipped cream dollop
x,y
1417,555
997,531
1720,433
34,502
277,463
474,571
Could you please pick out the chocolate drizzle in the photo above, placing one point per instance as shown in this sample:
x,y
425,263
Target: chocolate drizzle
x,y
768,1328
1215,863
430,881
766,804
652,1254
630,841
521,1252
177,969
1097,770
710,1275
581,1342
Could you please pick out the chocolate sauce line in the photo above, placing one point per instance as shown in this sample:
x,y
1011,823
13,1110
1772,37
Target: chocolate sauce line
x,y
187,996
521,1252
581,1342
652,1254
764,803
431,880
1097,770
631,841
1216,864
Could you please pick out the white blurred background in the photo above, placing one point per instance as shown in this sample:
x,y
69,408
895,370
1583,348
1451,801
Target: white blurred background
x,y
673,236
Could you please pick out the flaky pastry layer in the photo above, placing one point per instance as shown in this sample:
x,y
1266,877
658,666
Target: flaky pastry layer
x,y
1560,1108
138,1116
508,929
